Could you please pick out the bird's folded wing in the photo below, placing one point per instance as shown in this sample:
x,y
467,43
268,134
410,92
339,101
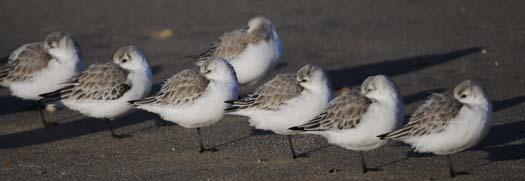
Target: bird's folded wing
x,y
344,112
271,95
24,63
102,82
431,117
229,46
184,88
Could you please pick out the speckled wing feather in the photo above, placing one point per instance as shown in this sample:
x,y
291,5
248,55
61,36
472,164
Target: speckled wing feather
x,y
271,95
105,81
184,88
344,112
24,63
431,117
229,46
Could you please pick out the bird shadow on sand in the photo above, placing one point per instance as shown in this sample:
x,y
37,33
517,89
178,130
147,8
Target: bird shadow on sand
x,y
11,104
281,65
498,105
155,69
4,59
354,75
70,129
499,142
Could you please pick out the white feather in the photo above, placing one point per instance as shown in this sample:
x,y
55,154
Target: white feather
x,y
256,60
295,112
383,116
141,81
49,79
466,130
207,110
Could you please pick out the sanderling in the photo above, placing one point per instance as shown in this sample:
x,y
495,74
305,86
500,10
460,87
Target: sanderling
x,y
353,120
286,101
252,52
444,125
41,67
104,89
194,98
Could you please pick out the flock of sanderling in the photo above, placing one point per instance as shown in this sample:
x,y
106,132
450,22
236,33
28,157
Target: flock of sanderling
x,y
50,72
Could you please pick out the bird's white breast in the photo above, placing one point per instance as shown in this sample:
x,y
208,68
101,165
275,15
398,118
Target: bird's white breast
x,y
48,80
253,63
381,117
463,132
208,109
140,87
296,111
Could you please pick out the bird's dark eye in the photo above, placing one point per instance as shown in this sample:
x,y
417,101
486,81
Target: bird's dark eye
x,y
303,80
124,60
208,71
463,96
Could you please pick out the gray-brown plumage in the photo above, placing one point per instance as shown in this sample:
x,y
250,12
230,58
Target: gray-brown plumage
x,y
101,81
231,44
271,95
183,88
344,112
431,117
25,63
124,52
306,71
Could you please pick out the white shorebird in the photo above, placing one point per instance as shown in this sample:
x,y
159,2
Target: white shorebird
x,y
104,89
286,101
353,120
252,52
37,68
444,125
194,98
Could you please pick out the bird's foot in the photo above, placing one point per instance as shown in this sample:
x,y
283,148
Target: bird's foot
x,y
302,155
372,169
50,125
120,136
454,174
212,149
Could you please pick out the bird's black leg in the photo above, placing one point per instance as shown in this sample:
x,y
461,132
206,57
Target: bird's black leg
x,y
451,171
366,169
40,106
202,149
294,155
118,136
363,164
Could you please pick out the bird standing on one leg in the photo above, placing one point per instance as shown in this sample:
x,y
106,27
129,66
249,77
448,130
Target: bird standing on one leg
x,y
104,89
285,101
37,68
194,98
445,125
353,120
